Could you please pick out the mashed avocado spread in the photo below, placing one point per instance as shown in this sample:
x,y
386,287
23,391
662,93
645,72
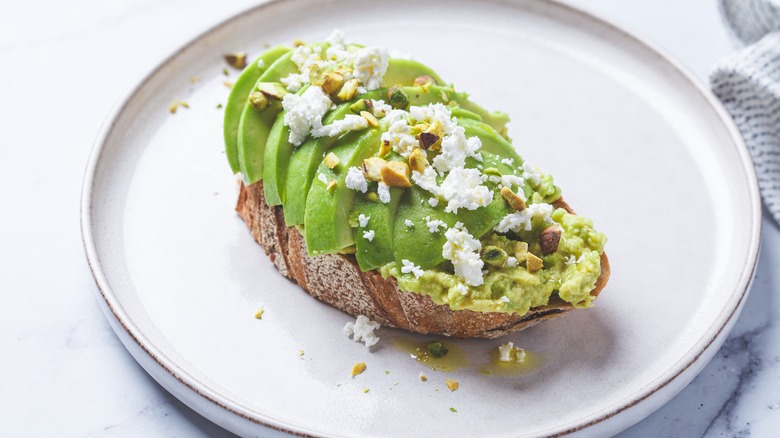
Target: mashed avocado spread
x,y
381,158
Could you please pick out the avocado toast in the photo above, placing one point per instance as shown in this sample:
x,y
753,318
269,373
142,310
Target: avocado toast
x,y
384,192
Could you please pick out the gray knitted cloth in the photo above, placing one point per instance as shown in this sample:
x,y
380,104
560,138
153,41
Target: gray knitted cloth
x,y
748,84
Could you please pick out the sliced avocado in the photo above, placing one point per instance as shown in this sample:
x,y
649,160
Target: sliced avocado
x,y
254,125
492,141
326,221
405,71
277,147
496,119
377,252
238,98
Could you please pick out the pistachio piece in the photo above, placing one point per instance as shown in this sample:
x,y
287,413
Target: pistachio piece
x,y
372,196
331,160
417,160
372,121
427,140
424,81
343,70
384,148
258,101
272,90
372,168
494,256
236,60
358,368
396,174
331,185
298,42
549,239
361,105
431,137
174,106
491,171
332,82
532,262
398,98
512,199
348,90
452,385
517,248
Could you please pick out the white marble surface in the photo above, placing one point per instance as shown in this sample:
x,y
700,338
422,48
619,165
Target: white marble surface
x,y
62,369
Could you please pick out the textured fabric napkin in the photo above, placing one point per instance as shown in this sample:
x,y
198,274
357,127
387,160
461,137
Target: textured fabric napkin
x,y
748,84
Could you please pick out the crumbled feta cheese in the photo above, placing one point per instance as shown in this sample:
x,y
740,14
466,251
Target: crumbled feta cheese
x,y
260,63
362,330
434,112
504,299
508,161
399,135
426,180
380,108
461,288
433,202
370,64
511,262
570,260
322,178
521,220
408,223
356,180
350,122
411,267
304,112
463,189
433,225
383,191
368,235
455,148
505,352
532,174
363,220
462,249
509,181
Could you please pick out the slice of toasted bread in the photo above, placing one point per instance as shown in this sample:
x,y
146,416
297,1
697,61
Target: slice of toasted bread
x,y
337,280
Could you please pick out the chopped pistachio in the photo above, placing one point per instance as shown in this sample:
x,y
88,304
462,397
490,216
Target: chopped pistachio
x,y
332,82
424,81
236,60
417,160
373,197
385,148
331,185
396,174
219,105
298,42
365,390
194,79
372,121
549,239
227,84
517,248
361,105
272,90
494,256
259,313
512,199
343,70
300,353
437,349
258,101
398,98
184,104
331,160
348,90
491,171
174,106
372,168
225,72
428,140
423,377
453,409
431,137
452,384
532,262
358,368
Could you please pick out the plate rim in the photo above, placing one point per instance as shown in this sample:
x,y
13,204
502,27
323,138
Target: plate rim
x,y
110,303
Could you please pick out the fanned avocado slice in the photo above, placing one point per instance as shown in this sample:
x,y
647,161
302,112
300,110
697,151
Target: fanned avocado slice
x,y
238,99
274,169
423,248
255,125
492,141
405,71
326,226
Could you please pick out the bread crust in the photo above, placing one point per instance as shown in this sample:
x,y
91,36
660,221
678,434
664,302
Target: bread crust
x,y
337,280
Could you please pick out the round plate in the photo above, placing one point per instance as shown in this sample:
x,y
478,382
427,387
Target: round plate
x,y
633,141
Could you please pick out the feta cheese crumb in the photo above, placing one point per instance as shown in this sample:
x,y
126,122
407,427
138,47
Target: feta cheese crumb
x,y
322,178
455,148
508,161
462,249
399,133
532,174
368,235
383,191
511,262
462,188
461,288
511,180
408,223
426,180
411,267
350,122
509,353
521,220
504,299
433,225
380,108
260,63
433,202
362,330
355,180
370,65
304,112
363,220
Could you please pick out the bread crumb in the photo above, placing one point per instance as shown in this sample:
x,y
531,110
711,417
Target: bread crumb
x,y
423,377
452,384
259,313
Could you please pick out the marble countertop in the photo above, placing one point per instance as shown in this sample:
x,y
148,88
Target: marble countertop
x,y
62,369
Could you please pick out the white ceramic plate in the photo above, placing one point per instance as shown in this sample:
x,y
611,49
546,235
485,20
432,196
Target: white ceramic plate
x,y
633,141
